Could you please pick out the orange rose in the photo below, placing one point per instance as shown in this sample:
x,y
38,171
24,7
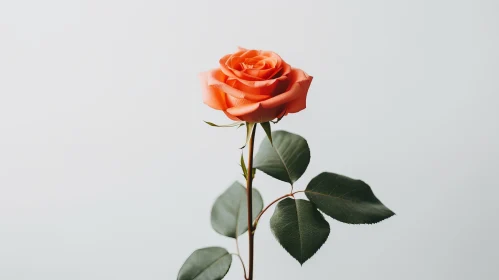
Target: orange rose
x,y
255,86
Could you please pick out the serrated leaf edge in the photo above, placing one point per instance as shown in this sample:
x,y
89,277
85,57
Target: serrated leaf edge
x,y
301,244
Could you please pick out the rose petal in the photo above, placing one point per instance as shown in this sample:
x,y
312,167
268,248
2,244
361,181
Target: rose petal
x,y
224,68
217,80
235,102
235,63
233,72
262,74
272,88
255,113
244,109
283,113
234,118
283,70
249,53
246,76
299,81
298,104
212,96
260,83
225,62
231,65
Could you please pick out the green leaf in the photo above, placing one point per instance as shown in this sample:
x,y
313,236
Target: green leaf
x,y
299,227
287,159
210,263
346,200
245,170
238,124
249,131
268,130
243,166
229,215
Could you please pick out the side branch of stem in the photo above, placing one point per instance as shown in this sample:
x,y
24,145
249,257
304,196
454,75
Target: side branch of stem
x,y
272,203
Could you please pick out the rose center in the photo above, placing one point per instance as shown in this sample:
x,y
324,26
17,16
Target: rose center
x,y
255,63
245,65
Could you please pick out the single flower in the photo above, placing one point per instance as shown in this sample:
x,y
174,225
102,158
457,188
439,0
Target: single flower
x,y
255,86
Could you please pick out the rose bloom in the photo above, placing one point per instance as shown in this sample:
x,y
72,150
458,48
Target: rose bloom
x,y
255,86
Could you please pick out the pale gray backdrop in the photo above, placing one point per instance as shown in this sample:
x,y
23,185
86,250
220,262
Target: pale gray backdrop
x,y
108,172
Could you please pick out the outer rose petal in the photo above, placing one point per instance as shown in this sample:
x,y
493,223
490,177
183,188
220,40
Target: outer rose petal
x,y
254,112
234,118
285,70
298,104
244,109
212,96
300,82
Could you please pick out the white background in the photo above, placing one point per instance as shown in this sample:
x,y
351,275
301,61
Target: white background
x,y
108,172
